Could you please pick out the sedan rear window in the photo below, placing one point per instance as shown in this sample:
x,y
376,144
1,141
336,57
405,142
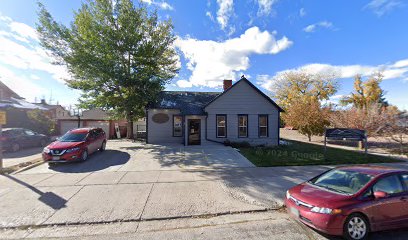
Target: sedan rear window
x,y
342,181
73,137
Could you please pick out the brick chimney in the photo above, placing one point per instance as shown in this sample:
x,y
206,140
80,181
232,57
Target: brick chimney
x,y
227,84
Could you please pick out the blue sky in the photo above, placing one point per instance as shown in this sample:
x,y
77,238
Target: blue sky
x,y
225,39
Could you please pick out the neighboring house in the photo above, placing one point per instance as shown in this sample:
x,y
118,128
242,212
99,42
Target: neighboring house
x,y
241,113
16,108
96,118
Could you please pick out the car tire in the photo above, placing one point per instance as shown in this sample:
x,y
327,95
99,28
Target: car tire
x,y
84,156
103,146
15,147
356,227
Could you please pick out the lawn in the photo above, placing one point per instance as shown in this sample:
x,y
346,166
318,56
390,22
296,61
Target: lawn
x,y
300,154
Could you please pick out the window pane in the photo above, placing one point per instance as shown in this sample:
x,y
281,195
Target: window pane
x,y
405,179
263,131
242,131
242,121
221,132
177,128
263,120
220,121
389,185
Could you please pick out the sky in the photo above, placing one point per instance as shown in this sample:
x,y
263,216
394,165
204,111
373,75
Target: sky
x,y
225,39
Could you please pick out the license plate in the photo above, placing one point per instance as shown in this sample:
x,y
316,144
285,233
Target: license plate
x,y
55,158
294,211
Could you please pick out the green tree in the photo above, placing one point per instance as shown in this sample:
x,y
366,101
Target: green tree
x,y
366,93
118,54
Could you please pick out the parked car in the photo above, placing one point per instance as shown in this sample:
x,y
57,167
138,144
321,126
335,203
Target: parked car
x,y
352,201
14,139
75,145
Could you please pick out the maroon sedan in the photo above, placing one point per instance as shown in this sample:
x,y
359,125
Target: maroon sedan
x,y
75,145
352,201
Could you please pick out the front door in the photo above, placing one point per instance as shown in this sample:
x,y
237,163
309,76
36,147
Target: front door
x,y
194,136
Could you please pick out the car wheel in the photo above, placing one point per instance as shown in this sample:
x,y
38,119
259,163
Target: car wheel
x,y
84,155
15,147
102,148
356,227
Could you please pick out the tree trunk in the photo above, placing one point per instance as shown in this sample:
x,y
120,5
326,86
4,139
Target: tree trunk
x,y
129,132
309,137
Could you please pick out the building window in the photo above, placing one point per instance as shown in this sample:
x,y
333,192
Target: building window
x,y
177,126
242,126
221,126
263,125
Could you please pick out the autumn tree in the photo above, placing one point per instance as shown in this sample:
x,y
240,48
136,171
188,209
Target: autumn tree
x,y
366,93
308,117
300,94
119,55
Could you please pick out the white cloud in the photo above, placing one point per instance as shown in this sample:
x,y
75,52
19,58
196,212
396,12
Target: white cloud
x,y
323,24
210,16
265,6
381,7
211,61
35,77
20,84
225,11
26,53
163,5
395,70
302,12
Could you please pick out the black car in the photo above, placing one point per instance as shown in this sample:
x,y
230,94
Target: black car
x,y
14,139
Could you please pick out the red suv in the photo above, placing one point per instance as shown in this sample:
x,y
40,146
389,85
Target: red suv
x,y
352,201
75,145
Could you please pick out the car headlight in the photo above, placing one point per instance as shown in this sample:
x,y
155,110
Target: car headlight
x,y
73,149
325,210
287,194
46,150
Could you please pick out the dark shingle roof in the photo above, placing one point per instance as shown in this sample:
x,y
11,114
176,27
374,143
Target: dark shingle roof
x,y
189,103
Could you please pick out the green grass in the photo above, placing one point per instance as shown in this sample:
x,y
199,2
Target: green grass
x,y
301,154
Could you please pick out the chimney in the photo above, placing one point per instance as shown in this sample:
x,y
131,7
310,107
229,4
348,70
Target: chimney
x,y
43,101
227,84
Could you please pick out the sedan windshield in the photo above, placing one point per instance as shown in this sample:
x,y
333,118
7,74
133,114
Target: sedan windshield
x,y
342,181
73,137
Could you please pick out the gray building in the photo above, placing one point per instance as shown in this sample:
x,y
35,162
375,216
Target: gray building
x,y
241,113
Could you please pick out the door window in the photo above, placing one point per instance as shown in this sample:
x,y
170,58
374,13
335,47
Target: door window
x,y
405,180
390,185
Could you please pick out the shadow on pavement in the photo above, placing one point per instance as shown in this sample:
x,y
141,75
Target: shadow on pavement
x,y
97,161
49,198
23,153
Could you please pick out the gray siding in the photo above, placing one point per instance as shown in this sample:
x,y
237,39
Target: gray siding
x,y
243,99
162,133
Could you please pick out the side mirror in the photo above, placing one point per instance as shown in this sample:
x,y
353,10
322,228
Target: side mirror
x,y
380,194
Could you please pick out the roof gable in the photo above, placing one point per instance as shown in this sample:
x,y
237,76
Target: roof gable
x,y
251,85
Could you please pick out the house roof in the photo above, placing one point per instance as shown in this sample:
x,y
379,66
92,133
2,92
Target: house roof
x,y
193,103
254,87
189,103
19,103
11,92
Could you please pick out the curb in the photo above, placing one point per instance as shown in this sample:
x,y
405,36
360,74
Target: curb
x,y
28,167
209,215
